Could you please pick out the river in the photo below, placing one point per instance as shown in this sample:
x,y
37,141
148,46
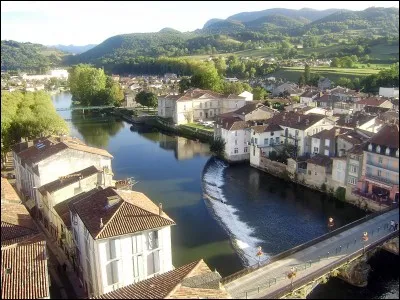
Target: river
x,y
254,208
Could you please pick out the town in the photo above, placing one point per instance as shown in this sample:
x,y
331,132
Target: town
x,y
207,172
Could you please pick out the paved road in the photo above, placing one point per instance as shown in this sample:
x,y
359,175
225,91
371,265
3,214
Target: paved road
x,y
256,283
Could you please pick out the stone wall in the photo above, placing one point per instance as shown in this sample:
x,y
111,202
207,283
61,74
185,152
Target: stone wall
x,y
273,167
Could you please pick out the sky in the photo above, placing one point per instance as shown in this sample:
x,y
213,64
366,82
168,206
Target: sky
x,y
84,22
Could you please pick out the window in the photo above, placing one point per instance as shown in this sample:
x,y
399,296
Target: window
x,y
271,141
236,133
255,141
112,272
211,113
353,169
201,105
254,151
235,142
326,152
316,149
309,172
277,140
387,152
296,132
201,114
252,140
184,107
379,173
153,263
266,142
272,133
112,249
327,143
245,149
380,160
236,150
137,246
370,147
352,180
152,240
378,149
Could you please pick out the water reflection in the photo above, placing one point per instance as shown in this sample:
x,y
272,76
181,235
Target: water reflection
x,y
183,148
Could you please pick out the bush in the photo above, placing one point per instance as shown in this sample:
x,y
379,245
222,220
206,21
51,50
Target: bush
x,y
340,193
217,147
323,187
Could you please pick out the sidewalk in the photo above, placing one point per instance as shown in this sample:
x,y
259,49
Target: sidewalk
x,y
62,258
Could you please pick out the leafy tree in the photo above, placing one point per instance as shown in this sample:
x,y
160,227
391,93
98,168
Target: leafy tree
x,y
147,99
184,84
345,82
206,77
307,74
217,147
259,93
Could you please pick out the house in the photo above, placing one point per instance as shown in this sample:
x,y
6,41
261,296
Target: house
x,y
381,165
121,237
233,128
308,97
196,104
319,170
39,161
360,120
346,95
316,110
354,163
324,142
265,139
285,87
193,280
129,100
389,92
324,84
342,108
326,101
56,192
298,128
348,139
24,266
247,96
339,170
378,102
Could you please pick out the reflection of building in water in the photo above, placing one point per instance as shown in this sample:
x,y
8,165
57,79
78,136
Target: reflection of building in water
x,y
183,148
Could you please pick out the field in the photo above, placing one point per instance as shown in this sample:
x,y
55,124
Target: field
x,y
293,73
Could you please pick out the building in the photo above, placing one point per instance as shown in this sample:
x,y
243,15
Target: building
x,y
39,161
233,128
24,268
324,84
377,102
324,142
354,167
360,120
339,170
247,96
319,170
121,238
287,87
389,92
191,281
348,139
381,164
308,97
196,104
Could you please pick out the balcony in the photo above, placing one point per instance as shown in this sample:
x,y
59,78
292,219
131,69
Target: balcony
x,y
380,179
386,166
376,198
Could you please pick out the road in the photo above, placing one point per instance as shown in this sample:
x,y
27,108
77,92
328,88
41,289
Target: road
x,y
256,284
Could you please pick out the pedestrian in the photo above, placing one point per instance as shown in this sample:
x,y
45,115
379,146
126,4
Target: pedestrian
x,y
396,225
391,225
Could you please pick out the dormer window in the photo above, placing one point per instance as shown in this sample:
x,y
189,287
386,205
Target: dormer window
x,y
370,147
397,153
378,149
387,152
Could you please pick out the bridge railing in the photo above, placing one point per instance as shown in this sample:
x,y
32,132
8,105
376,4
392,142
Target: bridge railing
x,y
327,269
303,246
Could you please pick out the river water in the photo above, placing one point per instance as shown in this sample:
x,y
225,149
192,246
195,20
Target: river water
x,y
253,208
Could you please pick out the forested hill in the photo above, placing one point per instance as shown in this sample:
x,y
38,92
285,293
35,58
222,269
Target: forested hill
x,y
29,57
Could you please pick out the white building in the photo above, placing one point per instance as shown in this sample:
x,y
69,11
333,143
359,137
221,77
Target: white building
x,y
121,238
59,73
197,104
308,97
389,92
247,96
233,128
41,161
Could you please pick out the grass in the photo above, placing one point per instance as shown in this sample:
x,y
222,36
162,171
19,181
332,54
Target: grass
x,y
199,126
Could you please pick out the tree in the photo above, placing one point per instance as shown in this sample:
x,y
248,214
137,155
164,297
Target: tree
x,y
259,93
307,74
184,84
345,82
217,147
206,77
147,99
302,80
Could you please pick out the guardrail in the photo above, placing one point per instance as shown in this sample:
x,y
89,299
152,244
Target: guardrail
x,y
298,248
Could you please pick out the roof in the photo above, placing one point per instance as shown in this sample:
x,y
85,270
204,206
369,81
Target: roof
x,y
329,134
357,149
231,123
194,280
28,265
132,212
309,93
388,136
64,181
8,193
295,120
320,160
62,208
16,223
46,147
372,101
354,120
266,128
352,137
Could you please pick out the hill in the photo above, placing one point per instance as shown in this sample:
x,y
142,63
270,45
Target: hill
x,y
29,57
74,49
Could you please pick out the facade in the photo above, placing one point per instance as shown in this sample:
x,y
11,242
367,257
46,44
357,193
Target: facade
x,y
233,128
376,102
389,92
324,142
354,163
194,280
40,161
197,104
381,164
319,169
308,97
285,87
339,169
121,238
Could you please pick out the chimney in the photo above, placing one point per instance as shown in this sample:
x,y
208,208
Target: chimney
x,y
160,211
299,119
101,223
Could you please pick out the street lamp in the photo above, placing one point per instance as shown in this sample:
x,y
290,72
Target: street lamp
x,y
259,253
330,223
365,239
291,275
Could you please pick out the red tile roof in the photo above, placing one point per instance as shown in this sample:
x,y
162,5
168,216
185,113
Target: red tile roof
x,y
388,136
28,277
371,101
132,212
186,282
295,120
266,128
320,160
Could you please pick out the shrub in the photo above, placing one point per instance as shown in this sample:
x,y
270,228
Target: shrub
x,y
323,187
340,193
217,147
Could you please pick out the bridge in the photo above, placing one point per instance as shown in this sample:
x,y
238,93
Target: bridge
x,y
315,261
83,108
